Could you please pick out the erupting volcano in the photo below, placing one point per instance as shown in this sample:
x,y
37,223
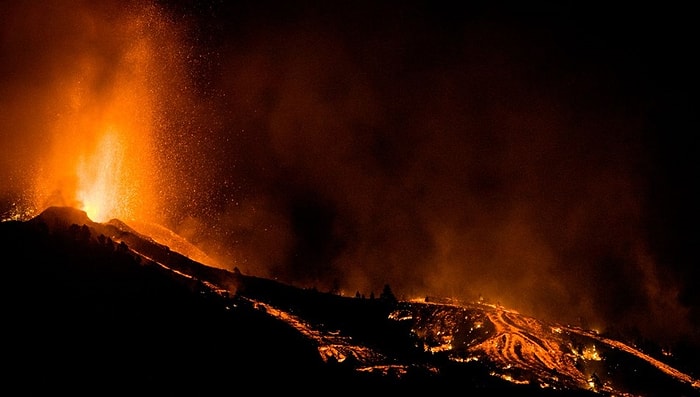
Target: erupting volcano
x,y
93,133
320,169
84,111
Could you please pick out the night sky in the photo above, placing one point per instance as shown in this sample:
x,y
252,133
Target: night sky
x,y
538,156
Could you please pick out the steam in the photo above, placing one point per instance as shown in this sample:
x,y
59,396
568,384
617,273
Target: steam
x,y
474,158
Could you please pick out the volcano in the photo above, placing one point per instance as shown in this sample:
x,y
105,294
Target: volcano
x,y
97,308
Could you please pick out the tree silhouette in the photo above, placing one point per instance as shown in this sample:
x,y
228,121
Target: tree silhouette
x,y
387,294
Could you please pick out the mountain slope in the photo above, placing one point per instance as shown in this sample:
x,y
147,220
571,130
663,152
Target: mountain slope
x,y
93,307
80,315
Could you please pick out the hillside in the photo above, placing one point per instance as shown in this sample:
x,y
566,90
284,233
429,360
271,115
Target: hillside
x,y
94,308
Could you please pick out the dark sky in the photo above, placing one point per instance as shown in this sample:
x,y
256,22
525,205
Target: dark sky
x,y
540,156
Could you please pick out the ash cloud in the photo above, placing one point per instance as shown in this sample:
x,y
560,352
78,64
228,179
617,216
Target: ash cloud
x,y
508,154
459,155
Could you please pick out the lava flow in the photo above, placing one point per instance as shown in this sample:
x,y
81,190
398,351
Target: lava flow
x,y
452,156
515,342
526,350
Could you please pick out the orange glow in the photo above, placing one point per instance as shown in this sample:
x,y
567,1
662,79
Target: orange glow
x,y
590,353
100,108
100,176
100,155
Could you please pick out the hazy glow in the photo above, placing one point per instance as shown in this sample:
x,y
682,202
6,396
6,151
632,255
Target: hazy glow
x,y
102,141
441,157
101,90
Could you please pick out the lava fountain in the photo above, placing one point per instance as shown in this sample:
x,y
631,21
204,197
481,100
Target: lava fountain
x,y
92,113
104,126
99,179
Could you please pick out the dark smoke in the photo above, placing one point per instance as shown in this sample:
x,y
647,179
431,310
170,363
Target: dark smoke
x,y
527,156
451,152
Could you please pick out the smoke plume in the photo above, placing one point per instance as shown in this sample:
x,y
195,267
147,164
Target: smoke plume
x,y
461,153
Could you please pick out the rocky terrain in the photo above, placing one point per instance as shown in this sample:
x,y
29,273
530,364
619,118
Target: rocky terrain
x,y
98,308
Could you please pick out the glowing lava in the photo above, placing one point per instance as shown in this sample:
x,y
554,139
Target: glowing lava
x,y
110,73
99,178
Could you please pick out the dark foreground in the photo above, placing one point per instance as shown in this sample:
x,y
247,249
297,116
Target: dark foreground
x,y
82,314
